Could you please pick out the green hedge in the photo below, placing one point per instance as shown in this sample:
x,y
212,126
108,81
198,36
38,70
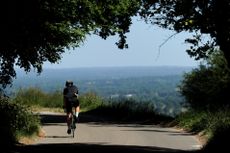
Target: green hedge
x,y
206,121
33,96
16,120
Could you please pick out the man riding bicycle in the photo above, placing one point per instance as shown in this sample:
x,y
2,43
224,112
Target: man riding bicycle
x,y
70,99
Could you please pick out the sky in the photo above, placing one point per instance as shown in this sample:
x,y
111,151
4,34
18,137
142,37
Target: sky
x,y
146,48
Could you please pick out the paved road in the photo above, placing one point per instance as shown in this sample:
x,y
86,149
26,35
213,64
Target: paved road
x,y
101,134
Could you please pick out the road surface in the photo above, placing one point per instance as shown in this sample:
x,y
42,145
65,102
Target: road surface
x,y
113,137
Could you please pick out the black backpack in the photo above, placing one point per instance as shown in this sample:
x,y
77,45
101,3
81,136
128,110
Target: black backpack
x,y
70,94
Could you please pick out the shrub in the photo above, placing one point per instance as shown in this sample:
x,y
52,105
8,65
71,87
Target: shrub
x,y
219,141
207,87
16,120
209,122
90,101
36,97
193,120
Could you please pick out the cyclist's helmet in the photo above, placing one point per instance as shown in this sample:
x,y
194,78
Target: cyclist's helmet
x,y
69,83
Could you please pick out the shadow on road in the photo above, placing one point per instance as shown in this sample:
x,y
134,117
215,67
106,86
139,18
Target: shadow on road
x,y
89,118
93,148
53,119
58,136
84,118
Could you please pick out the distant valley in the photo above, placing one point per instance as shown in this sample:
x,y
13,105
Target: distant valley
x,y
144,84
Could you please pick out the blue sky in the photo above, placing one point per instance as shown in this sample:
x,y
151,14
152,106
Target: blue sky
x,y
144,42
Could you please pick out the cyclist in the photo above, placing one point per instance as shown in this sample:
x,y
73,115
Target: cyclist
x,y
70,99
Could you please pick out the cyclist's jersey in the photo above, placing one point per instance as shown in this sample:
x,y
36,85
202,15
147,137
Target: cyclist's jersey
x,y
70,99
69,93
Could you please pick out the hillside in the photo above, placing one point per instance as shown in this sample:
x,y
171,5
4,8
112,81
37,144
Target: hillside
x,y
157,85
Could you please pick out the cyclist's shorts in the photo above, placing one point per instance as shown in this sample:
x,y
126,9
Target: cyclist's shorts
x,y
69,105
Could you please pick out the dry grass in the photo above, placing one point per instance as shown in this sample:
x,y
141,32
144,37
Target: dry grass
x,y
45,109
32,139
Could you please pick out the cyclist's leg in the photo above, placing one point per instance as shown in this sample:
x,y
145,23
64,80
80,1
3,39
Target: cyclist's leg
x,y
77,108
77,111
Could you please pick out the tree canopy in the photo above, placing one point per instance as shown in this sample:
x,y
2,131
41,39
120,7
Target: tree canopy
x,y
211,17
35,31
207,87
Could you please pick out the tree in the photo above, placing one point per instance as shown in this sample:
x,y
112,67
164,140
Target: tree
x,y
207,87
203,17
35,31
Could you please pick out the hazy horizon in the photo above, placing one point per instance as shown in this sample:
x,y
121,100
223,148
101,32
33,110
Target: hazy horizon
x,y
91,67
103,72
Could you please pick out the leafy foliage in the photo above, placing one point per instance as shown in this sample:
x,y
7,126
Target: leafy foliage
x,y
204,17
207,87
218,141
205,121
16,120
36,97
90,101
33,32
129,110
